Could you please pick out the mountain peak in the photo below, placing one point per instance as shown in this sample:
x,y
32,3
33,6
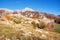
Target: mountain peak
x,y
27,9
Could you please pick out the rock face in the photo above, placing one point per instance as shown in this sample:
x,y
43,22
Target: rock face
x,y
31,14
57,20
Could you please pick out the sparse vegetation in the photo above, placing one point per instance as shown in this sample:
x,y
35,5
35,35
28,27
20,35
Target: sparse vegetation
x,y
19,27
57,28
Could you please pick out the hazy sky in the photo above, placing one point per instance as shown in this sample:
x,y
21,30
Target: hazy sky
x,y
49,6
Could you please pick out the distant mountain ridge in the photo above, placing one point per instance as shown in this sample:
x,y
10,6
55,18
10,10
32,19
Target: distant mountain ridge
x,y
30,13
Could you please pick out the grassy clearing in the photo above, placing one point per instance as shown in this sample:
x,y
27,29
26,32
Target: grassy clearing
x,y
57,28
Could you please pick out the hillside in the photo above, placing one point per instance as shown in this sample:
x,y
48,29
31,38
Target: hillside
x,y
26,24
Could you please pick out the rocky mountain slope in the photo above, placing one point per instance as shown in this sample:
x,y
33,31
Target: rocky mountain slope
x,y
26,24
28,12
